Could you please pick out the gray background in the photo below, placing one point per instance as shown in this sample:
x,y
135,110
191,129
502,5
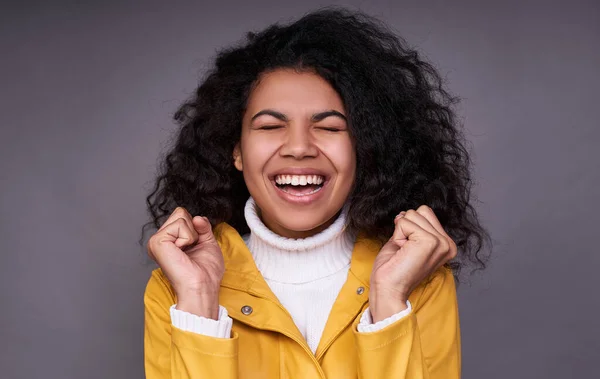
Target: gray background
x,y
87,92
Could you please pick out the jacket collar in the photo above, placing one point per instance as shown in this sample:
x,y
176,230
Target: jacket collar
x,y
243,284
242,274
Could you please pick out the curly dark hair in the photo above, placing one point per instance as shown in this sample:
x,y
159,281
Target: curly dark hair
x,y
409,146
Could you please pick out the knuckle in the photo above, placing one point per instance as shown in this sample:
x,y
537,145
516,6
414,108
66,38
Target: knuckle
x,y
423,208
452,244
399,221
453,249
180,211
432,242
443,245
181,222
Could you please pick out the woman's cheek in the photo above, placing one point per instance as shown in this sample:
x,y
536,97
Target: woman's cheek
x,y
258,155
258,150
342,156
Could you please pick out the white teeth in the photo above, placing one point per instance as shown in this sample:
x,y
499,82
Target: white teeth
x,y
301,180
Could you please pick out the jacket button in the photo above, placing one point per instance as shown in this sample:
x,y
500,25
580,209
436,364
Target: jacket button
x,y
360,290
246,309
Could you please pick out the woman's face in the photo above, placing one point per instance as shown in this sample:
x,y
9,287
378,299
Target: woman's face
x,y
296,153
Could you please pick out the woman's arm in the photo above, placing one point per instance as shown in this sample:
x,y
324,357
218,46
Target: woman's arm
x,y
171,352
423,344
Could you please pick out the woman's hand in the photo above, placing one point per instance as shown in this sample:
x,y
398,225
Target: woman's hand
x,y
418,247
188,253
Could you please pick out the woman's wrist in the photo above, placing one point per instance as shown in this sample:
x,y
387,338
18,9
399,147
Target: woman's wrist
x,y
383,304
203,305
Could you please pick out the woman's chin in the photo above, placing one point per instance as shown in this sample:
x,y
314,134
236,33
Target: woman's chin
x,y
301,228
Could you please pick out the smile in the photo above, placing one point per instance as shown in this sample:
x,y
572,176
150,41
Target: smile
x,y
299,180
299,188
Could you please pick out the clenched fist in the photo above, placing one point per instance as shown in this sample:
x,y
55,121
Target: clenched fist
x,y
188,254
418,247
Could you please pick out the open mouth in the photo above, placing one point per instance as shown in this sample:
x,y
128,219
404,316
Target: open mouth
x,y
300,185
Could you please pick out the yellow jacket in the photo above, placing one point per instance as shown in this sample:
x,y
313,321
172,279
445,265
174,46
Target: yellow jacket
x,y
266,344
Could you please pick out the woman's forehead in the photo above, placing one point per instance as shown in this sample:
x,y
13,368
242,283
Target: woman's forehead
x,y
291,92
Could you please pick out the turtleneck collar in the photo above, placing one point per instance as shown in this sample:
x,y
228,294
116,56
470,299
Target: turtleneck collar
x,y
290,260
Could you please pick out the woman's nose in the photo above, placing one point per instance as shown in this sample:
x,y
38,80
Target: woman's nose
x,y
298,143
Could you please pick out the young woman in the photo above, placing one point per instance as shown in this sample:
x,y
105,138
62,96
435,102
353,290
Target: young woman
x,y
312,213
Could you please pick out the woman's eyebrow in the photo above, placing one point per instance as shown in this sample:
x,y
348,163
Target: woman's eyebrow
x,y
323,115
270,112
315,117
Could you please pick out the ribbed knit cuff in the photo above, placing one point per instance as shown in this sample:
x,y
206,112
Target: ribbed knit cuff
x,y
366,322
189,322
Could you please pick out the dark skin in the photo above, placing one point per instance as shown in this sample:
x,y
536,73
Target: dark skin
x,y
418,247
310,131
187,251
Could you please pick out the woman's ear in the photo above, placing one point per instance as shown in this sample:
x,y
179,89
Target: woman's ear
x,y
237,157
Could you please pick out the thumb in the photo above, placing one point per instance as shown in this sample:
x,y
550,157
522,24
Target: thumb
x,y
203,227
405,229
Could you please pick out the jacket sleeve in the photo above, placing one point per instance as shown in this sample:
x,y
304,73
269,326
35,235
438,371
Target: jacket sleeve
x,y
170,352
425,344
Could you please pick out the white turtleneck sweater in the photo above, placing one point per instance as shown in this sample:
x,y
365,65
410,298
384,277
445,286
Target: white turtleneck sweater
x,y
305,274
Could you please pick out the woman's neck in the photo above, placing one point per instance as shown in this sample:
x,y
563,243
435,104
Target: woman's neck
x,y
290,260
296,234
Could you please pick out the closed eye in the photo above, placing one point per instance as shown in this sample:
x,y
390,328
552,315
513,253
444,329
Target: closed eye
x,y
270,127
331,129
